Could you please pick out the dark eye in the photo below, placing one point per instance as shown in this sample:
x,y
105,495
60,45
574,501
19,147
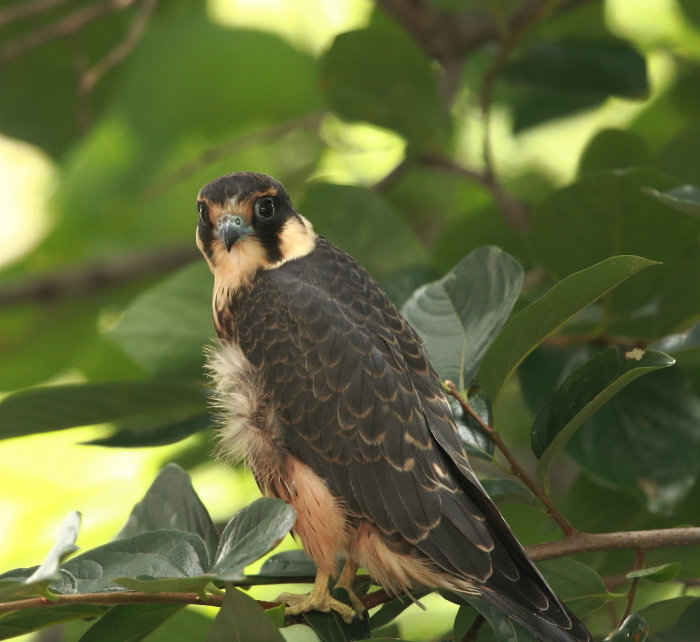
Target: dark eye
x,y
203,212
265,208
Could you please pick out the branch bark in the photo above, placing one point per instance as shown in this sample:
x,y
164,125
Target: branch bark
x,y
95,277
66,27
21,10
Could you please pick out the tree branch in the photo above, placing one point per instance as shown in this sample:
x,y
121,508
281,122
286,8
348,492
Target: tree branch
x,y
28,9
594,542
122,50
515,467
69,25
95,277
224,150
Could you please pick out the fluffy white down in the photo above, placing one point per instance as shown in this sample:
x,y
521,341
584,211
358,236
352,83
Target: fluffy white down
x,y
247,426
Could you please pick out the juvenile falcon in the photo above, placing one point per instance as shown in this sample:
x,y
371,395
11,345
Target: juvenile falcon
x,y
328,394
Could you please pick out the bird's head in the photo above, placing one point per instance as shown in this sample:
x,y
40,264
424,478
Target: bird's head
x,y
246,223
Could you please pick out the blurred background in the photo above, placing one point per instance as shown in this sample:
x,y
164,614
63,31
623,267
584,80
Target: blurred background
x,y
111,124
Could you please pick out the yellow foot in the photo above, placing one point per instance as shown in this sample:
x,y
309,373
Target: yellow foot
x,y
297,604
346,580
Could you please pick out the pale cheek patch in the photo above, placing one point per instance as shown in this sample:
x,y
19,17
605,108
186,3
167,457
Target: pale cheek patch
x,y
321,520
297,239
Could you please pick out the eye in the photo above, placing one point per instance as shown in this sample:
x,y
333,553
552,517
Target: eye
x,y
265,208
203,212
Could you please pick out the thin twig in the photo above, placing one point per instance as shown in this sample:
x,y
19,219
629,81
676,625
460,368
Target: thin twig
x,y
95,277
516,468
308,121
27,9
638,564
122,50
515,213
69,25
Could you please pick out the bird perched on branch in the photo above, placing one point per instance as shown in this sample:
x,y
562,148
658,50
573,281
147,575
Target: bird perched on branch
x,y
328,394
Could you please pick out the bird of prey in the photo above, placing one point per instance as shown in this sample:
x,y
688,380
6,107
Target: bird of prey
x,y
328,393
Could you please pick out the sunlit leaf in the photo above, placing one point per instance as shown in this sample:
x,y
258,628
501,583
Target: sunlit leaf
x,y
172,503
460,315
546,315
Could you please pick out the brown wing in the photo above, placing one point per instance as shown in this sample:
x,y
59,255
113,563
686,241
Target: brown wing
x,y
364,409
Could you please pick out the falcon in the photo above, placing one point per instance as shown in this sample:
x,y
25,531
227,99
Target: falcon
x,y
328,394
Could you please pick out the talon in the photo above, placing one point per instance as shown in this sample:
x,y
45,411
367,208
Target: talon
x,y
319,599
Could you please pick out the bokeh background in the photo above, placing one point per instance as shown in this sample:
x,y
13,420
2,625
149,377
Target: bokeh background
x,y
107,179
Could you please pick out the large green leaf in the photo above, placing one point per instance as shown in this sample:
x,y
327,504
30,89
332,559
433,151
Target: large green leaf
x,y
389,611
584,392
374,74
663,615
162,554
507,491
460,315
240,619
59,407
603,67
130,622
645,440
475,441
613,149
158,430
575,583
253,531
166,328
536,322
684,199
172,503
295,563
365,226
607,214
23,622
504,629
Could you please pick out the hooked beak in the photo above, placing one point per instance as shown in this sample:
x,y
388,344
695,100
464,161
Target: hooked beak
x,y
231,228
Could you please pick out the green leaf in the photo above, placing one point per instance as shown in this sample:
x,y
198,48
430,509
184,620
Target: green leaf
x,y
294,563
46,574
613,149
663,615
130,622
460,315
684,199
299,633
463,621
507,491
575,583
691,10
166,328
276,614
633,629
607,67
678,342
373,74
253,531
156,554
389,611
475,441
356,220
187,625
679,303
582,393
332,628
160,430
502,625
546,315
240,619
13,584
59,407
606,215
659,574
644,440
23,622
172,503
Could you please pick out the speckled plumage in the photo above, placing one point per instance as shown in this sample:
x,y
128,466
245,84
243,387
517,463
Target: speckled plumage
x,y
357,402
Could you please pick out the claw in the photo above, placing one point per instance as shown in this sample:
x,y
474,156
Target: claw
x,y
319,599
